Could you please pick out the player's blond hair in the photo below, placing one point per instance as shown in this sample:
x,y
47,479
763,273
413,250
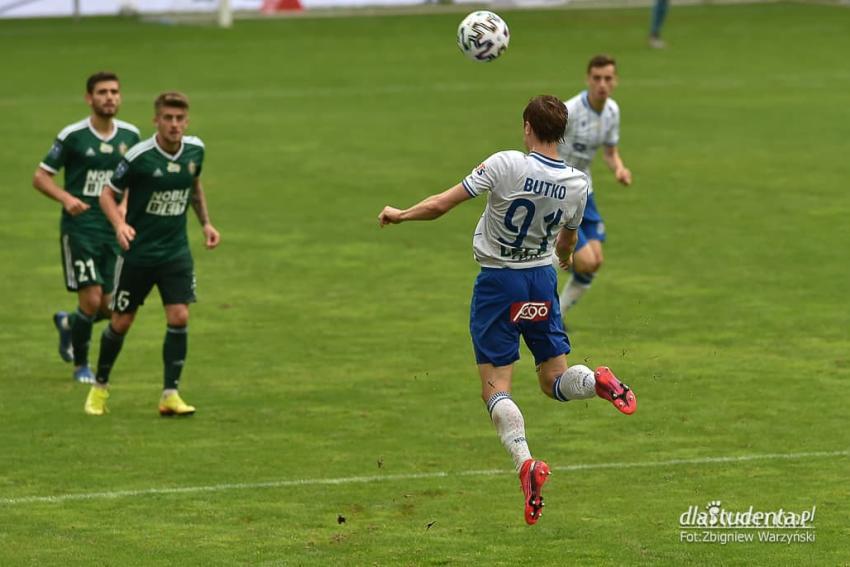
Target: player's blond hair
x,y
173,99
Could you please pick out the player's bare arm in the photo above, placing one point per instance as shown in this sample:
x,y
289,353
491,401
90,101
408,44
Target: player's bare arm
x,y
615,164
564,244
124,233
431,208
122,206
199,204
43,181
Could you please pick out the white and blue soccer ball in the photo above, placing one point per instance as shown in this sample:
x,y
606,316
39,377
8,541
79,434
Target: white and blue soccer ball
x,y
483,36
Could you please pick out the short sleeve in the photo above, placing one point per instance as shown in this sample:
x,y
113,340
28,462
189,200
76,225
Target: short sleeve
x,y
199,166
485,176
120,179
55,158
612,137
574,222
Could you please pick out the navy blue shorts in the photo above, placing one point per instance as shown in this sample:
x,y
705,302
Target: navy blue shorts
x,y
592,227
508,303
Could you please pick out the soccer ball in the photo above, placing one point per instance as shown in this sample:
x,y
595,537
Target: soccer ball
x,y
483,36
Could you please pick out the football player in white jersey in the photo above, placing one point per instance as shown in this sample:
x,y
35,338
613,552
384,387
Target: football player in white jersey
x,y
594,122
534,206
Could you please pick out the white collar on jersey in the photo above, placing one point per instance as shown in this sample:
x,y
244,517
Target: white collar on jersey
x,y
98,135
166,154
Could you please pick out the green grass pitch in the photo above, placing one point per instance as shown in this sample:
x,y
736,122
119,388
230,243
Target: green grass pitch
x,y
324,348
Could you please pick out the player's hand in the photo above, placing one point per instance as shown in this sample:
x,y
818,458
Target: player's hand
x,y
390,215
211,236
125,234
74,206
566,264
624,176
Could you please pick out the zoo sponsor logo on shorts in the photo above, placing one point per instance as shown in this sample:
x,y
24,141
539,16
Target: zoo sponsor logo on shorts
x,y
530,311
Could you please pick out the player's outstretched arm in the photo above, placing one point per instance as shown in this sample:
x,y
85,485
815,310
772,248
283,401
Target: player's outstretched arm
x,y
199,203
124,233
431,208
43,181
615,164
564,244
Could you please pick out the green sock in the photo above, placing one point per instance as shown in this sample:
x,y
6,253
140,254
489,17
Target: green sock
x,y
110,345
174,355
80,336
69,320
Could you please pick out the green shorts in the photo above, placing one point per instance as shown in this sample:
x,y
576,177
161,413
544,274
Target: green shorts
x,y
174,279
88,260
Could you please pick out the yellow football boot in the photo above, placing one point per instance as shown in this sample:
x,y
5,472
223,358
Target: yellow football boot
x,y
96,401
173,404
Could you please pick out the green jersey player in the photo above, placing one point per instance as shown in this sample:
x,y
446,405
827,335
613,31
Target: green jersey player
x,y
89,151
161,177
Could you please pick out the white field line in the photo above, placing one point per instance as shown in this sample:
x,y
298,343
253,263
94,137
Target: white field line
x,y
400,477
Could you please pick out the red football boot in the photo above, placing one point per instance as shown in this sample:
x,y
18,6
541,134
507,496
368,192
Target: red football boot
x,y
532,476
608,387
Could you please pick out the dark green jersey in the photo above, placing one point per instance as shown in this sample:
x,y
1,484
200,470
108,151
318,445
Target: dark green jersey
x,y
89,160
160,187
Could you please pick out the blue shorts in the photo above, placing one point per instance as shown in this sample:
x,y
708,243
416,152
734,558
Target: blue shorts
x,y
508,303
592,227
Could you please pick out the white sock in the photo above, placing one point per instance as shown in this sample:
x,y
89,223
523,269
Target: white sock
x,y
510,426
571,293
168,391
577,383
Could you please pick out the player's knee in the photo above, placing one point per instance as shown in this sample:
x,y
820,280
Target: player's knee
x,y
90,300
121,322
592,263
586,265
178,315
597,263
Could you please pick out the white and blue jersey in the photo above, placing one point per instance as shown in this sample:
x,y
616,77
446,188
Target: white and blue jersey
x,y
587,130
530,198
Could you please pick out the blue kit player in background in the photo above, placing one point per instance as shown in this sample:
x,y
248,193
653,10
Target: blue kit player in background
x,y
594,122
534,206
659,12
